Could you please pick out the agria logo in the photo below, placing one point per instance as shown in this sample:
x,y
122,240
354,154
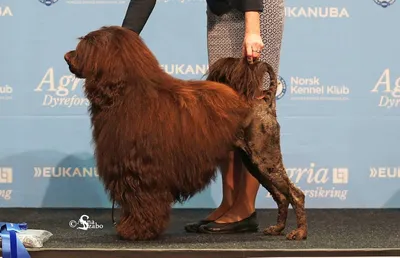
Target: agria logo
x,y
384,3
48,2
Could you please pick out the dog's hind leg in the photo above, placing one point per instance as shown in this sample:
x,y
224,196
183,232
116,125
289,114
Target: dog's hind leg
x,y
283,192
283,209
144,214
260,148
280,199
281,182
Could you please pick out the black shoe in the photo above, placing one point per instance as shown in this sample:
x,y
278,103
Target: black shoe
x,y
249,224
194,227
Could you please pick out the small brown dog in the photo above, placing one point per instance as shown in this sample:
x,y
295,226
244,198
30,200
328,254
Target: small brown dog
x,y
158,139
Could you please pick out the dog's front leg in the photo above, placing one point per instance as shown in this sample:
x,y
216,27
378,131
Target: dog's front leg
x,y
145,214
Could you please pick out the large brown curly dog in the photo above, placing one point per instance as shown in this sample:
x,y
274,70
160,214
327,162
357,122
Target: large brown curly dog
x,y
158,139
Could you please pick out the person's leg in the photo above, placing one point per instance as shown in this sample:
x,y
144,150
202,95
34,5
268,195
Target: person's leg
x,y
244,203
231,173
241,216
231,177
243,209
230,181
224,39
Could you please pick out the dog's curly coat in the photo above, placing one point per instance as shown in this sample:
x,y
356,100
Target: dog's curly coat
x,y
158,139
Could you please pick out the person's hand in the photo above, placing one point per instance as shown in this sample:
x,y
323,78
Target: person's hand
x,y
252,46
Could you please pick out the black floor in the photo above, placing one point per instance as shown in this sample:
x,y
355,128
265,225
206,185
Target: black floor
x,y
340,230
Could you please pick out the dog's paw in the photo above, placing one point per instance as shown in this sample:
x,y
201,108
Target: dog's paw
x,y
297,234
273,230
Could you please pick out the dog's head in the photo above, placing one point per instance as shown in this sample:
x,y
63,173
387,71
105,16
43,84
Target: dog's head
x,y
245,78
111,53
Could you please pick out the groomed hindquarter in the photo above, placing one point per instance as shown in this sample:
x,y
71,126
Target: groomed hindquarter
x,y
260,148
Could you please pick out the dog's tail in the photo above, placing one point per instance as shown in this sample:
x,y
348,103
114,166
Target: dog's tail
x,y
270,93
245,78
238,74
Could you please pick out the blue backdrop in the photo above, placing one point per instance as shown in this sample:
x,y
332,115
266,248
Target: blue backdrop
x,y
339,105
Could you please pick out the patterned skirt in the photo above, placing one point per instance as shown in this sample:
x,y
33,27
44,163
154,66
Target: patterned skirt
x,y
225,34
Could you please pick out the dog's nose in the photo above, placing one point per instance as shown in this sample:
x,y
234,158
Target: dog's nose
x,y
66,57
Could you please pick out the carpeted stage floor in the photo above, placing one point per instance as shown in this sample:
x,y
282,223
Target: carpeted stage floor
x,y
331,233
